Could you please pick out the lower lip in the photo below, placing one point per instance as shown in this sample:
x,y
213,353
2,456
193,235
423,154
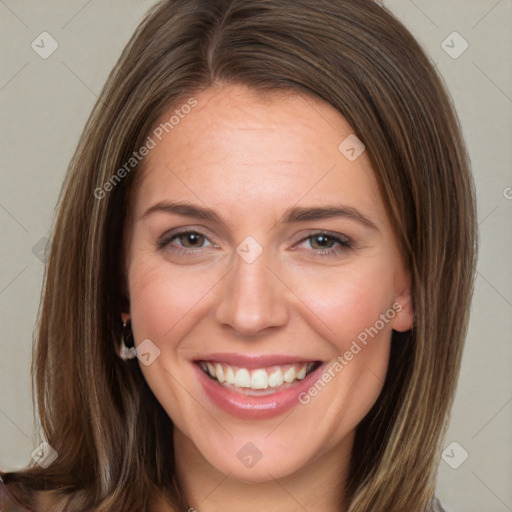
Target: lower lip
x,y
254,407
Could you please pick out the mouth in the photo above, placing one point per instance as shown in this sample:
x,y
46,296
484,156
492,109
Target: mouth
x,y
259,381
257,387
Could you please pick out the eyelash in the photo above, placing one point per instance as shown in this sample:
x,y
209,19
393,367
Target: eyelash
x,y
166,239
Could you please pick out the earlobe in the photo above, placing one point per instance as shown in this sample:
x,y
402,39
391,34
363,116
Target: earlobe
x,y
404,318
124,305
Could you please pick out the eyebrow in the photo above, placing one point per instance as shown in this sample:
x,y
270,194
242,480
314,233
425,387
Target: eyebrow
x,y
291,215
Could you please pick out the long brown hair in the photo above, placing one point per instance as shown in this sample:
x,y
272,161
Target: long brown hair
x,y
112,436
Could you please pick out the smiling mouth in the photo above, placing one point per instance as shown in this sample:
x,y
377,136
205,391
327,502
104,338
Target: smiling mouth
x,y
259,381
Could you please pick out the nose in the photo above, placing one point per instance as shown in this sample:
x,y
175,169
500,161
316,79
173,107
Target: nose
x,y
253,298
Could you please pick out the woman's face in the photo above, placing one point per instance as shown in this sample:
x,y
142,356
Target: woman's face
x,y
254,282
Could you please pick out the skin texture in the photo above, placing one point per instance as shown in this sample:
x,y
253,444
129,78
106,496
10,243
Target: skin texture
x,y
250,158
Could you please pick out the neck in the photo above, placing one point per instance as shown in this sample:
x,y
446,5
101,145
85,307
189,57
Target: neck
x,y
320,485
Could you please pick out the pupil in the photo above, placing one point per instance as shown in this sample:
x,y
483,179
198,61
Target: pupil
x,y
191,237
324,240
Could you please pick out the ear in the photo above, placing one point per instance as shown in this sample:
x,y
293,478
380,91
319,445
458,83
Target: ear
x,y
404,318
124,302
124,295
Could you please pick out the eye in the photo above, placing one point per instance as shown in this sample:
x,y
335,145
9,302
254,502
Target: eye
x,y
326,244
189,241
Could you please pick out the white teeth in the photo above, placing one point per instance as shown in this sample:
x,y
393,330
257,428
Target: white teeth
x,y
219,373
243,378
289,375
211,369
275,379
229,375
259,379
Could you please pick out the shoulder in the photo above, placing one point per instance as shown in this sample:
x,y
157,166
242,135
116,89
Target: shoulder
x,y
439,507
9,502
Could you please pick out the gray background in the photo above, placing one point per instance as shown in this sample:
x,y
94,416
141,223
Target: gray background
x,y
45,103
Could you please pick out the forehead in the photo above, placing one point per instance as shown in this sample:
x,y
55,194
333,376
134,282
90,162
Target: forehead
x,y
237,146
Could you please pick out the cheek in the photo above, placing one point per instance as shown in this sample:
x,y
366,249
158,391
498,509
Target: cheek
x,y
162,300
164,305
341,304
348,303
336,308
352,310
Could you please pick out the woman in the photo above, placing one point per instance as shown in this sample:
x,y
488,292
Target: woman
x,y
259,282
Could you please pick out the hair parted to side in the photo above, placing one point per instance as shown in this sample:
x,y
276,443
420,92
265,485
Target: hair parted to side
x,y
111,434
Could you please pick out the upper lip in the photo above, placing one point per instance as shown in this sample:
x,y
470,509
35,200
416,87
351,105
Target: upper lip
x,y
252,362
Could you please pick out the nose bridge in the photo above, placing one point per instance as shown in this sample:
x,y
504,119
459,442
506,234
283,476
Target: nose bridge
x,y
253,298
